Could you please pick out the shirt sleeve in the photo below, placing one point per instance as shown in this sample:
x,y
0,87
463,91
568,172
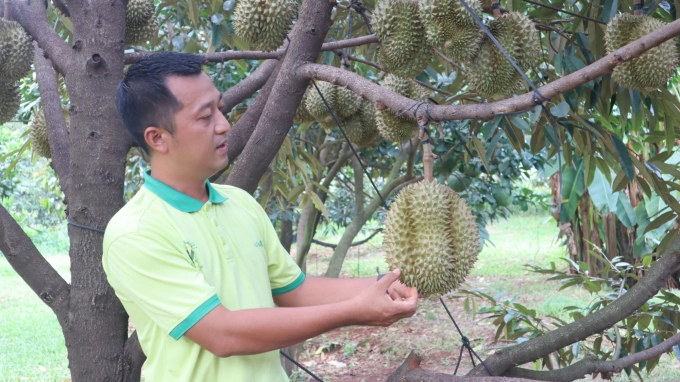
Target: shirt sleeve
x,y
161,278
284,273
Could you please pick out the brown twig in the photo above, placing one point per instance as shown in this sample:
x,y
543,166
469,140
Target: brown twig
x,y
329,245
450,61
423,84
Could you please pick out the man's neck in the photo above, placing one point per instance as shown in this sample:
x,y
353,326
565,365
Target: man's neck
x,y
187,184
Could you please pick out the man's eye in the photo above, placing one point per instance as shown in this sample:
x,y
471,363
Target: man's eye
x,y
207,117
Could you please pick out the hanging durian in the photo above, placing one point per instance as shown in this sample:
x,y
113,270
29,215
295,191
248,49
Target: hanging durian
x,y
450,26
264,23
491,74
361,128
394,127
16,51
342,101
38,128
431,235
10,100
302,114
405,50
140,25
652,69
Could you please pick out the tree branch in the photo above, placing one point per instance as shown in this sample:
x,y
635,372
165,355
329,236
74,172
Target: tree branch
x,y
248,86
57,131
32,267
31,15
239,135
354,244
277,116
595,322
131,58
592,365
394,101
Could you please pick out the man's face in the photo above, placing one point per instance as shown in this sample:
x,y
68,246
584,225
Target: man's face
x,y
199,143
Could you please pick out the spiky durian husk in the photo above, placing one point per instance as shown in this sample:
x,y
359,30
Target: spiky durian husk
x,y
10,100
361,127
405,50
264,23
653,68
492,75
16,51
302,115
394,127
342,101
140,25
431,235
449,25
38,132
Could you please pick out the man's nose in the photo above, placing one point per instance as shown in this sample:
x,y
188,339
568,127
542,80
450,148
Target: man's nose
x,y
223,125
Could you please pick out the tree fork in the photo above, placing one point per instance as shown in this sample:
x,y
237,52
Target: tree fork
x,y
277,116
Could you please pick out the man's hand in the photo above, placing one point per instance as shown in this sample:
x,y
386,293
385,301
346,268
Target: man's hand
x,y
386,302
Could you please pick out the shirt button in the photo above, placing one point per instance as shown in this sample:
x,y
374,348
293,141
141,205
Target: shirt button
x,y
215,221
224,242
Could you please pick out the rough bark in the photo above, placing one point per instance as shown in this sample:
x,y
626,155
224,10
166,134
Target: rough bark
x,y
277,116
27,261
96,334
595,322
57,132
394,101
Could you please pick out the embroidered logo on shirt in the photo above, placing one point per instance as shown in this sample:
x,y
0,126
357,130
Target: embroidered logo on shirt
x,y
191,252
259,244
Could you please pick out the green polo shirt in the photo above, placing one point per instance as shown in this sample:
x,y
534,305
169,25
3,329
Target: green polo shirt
x,y
171,259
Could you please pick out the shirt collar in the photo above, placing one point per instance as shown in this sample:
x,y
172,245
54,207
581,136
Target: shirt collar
x,y
179,200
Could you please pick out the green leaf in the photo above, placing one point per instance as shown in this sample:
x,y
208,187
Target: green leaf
x,y
601,194
572,189
560,110
319,204
659,221
625,212
624,156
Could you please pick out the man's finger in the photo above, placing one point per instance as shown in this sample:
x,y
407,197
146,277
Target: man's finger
x,y
389,278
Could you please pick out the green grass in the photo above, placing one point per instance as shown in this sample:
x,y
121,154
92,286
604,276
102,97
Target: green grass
x,y
31,343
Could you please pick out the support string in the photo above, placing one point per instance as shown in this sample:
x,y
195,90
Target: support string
x,y
300,366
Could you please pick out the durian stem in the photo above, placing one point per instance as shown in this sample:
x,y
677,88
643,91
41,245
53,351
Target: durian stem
x,y
8,9
638,7
496,6
428,156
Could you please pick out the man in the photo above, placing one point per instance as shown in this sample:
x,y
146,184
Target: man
x,y
198,267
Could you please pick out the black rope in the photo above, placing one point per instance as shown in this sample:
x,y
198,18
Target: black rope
x,y
71,222
361,10
466,344
351,146
563,11
300,366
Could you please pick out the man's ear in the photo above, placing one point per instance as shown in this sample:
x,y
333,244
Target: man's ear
x,y
157,138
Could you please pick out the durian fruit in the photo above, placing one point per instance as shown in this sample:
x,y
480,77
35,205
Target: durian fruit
x,y
264,23
361,128
394,127
449,25
10,100
431,236
653,68
16,51
302,114
492,75
397,25
38,128
140,25
343,102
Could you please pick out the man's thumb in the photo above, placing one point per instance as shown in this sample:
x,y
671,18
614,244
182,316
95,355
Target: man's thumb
x,y
390,277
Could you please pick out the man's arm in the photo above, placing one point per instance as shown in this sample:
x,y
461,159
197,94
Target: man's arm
x,y
325,290
252,331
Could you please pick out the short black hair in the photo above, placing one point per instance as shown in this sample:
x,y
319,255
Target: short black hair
x,y
142,97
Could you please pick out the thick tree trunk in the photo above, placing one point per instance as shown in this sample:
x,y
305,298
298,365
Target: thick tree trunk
x,y
97,328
